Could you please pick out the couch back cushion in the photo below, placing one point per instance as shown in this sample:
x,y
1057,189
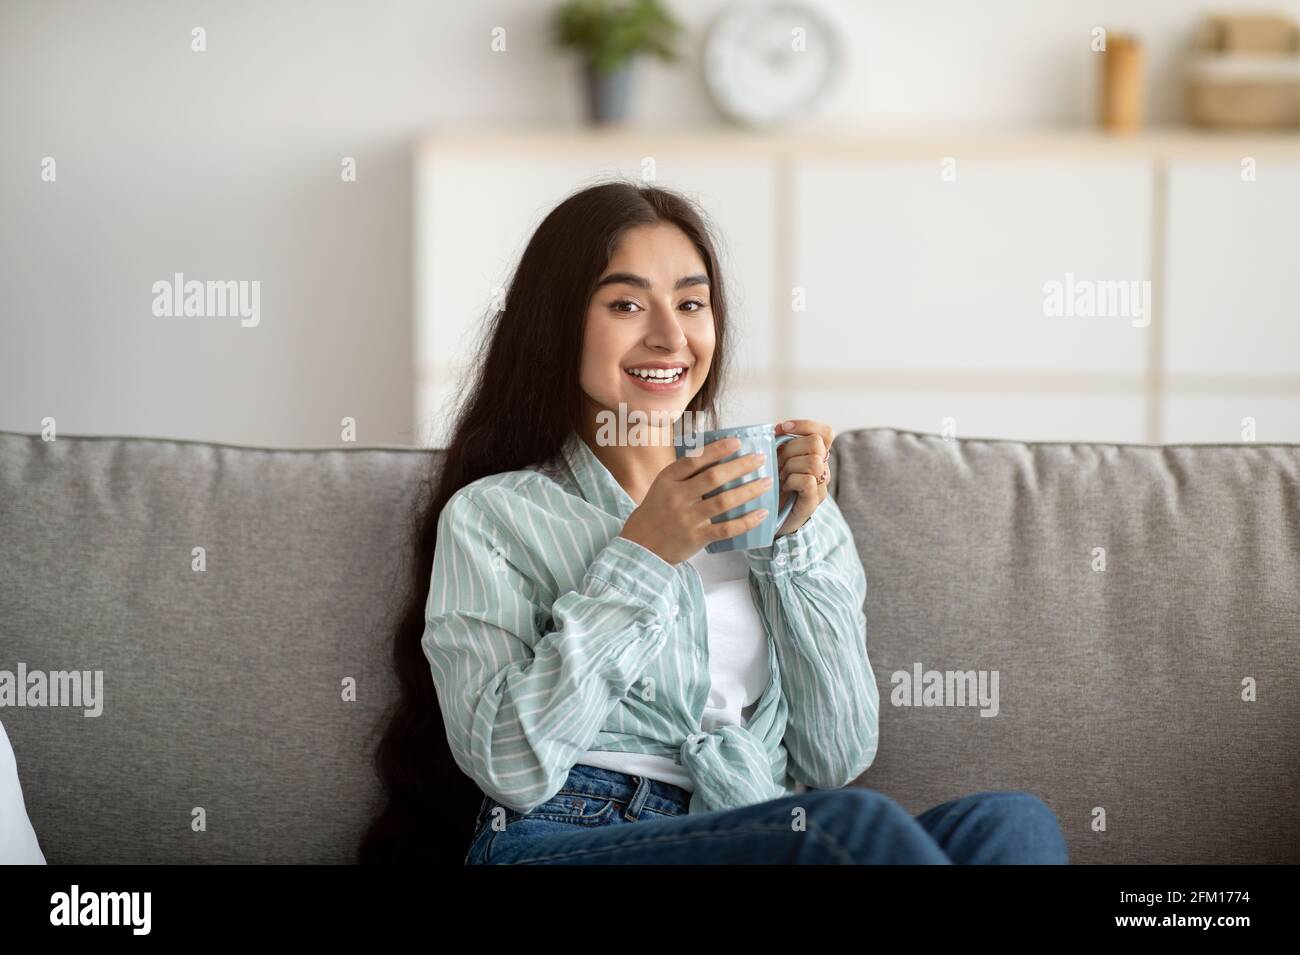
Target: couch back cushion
x,y
1121,695
224,690
1140,606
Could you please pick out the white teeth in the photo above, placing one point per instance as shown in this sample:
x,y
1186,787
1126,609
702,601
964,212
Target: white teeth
x,y
657,374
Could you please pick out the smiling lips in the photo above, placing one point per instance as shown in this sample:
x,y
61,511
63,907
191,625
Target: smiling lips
x,y
657,379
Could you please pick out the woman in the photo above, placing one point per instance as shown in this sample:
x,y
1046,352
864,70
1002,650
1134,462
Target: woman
x,y
608,690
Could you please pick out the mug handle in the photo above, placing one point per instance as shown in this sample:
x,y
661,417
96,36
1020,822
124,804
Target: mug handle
x,y
785,511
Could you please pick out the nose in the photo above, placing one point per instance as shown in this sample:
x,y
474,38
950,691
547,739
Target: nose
x,y
665,330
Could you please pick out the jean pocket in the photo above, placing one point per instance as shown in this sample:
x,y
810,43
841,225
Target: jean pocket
x,y
582,809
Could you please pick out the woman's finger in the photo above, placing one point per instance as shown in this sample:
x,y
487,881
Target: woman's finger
x,y
812,464
807,426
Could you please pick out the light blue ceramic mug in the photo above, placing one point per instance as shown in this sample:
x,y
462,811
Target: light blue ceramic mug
x,y
753,438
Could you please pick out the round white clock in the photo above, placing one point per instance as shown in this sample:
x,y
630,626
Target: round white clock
x,y
768,61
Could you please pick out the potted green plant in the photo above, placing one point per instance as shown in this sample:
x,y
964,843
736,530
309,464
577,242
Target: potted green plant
x,y
609,35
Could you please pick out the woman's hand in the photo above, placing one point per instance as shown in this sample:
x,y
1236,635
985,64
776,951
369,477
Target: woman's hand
x,y
674,519
804,468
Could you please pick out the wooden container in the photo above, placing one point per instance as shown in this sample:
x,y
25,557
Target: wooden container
x,y
1123,84
1244,73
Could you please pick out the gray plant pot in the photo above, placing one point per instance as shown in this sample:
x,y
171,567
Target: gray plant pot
x,y
608,94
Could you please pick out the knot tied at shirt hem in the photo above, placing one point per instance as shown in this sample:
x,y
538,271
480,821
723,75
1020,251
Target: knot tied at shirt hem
x,y
729,768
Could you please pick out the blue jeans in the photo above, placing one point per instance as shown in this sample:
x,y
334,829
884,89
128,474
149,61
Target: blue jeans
x,y
603,817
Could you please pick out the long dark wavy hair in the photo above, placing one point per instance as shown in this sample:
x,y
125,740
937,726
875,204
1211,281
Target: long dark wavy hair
x,y
510,418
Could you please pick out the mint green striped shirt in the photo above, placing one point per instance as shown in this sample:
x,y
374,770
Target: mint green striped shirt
x,y
548,635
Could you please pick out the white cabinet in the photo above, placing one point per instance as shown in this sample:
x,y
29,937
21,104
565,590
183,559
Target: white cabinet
x,y
907,271
906,284
926,281
1024,415
1228,418
1234,270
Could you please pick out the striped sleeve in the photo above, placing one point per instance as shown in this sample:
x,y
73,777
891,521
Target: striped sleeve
x,y
812,589
520,705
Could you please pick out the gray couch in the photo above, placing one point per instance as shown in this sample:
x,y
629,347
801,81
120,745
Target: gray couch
x,y
1120,691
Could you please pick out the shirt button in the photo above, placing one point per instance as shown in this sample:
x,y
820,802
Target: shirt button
x,y
780,559
674,613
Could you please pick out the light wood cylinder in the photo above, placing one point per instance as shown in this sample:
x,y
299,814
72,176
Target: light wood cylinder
x,y
1123,84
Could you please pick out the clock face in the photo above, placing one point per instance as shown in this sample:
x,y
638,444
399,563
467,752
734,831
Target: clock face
x,y
769,60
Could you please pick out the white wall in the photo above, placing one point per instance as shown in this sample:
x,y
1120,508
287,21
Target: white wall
x,y
225,165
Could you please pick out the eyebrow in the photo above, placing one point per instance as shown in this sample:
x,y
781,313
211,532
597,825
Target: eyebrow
x,y
629,278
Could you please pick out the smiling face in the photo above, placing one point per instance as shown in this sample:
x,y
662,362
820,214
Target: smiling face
x,y
649,336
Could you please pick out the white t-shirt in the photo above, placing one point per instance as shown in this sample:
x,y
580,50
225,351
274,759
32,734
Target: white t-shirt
x,y
738,669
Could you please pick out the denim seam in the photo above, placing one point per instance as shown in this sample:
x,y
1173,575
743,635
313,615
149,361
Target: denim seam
x,y
588,795
586,820
813,831
606,807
